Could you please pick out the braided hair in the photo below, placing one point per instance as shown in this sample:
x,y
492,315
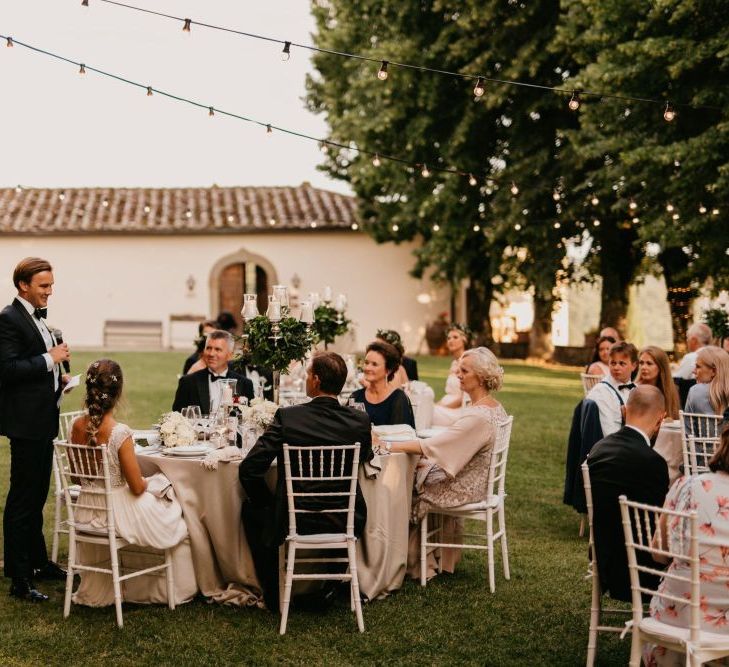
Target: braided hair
x,y
103,388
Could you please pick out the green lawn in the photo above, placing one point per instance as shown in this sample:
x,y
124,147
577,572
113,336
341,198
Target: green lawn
x,y
538,618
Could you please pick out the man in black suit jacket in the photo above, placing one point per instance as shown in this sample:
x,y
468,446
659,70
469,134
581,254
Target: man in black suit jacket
x,y
320,422
199,388
30,383
624,463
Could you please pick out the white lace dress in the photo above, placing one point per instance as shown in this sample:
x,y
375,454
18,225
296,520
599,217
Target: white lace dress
x,y
148,522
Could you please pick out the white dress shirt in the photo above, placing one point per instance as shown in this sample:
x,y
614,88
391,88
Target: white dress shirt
x,y
686,368
645,437
611,416
48,339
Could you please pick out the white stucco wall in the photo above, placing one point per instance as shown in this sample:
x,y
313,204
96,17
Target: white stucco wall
x,y
144,278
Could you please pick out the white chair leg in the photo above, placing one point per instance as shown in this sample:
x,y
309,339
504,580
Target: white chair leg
x,y
56,528
69,573
439,521
170,577
116,584
594,622
287,587
423,550
636,648
351,551
490,545
504,544
281,576
582,525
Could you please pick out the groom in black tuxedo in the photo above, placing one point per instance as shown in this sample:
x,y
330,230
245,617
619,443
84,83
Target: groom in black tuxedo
x,y
322,421
200,387
30,384
624,463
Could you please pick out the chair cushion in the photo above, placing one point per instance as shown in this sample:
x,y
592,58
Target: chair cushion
x,y
491,502
672,633
320,538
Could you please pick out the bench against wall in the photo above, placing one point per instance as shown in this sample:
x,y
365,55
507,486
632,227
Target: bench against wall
x,y
132,335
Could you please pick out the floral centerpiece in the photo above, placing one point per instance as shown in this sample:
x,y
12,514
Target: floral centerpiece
x,y
329,323
259,414
262,348
176,431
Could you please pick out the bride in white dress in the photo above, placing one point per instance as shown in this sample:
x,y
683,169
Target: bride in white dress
x,y
449,408
142,518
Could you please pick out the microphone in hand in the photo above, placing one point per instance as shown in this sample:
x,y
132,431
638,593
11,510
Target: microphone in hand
x,y
58,335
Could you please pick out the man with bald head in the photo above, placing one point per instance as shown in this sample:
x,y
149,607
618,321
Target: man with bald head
x,y
624,463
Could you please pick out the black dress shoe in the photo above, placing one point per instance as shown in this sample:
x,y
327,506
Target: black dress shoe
x,y
50,572
24,589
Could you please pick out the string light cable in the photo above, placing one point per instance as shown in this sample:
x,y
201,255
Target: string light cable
x,y
669,107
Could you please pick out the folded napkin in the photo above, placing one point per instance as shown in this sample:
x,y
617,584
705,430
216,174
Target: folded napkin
x,y
394,429
422,398
158,485
373,467
226,454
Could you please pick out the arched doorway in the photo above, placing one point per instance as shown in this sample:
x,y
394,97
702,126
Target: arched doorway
x,y
236,275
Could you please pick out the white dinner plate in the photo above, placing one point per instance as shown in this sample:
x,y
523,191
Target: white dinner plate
x,y
144,434
430,432
187,450
397,437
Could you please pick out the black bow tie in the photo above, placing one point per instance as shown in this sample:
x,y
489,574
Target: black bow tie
x,y
214,377
41,313
629,385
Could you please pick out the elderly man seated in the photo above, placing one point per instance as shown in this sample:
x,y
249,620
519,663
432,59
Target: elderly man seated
x,y
624,463
202,388
697,337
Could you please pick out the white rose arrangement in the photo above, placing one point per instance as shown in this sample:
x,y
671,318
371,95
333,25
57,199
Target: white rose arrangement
x,y
259,413
176,431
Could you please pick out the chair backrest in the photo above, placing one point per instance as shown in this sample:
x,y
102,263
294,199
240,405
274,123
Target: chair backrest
x,y
588,500
699,426
89,467
321,480
700,451
496,485
65,419
652,531
589,381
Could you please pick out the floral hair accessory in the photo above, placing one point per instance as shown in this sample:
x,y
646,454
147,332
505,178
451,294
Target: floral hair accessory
x,y
104,396
113,378
389,336
95,364
463,328
90,378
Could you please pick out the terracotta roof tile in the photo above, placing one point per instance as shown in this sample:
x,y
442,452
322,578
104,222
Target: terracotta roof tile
x,y
172,210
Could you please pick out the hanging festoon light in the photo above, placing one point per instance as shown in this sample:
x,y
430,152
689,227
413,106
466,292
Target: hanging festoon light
x,y
323,147
382,74
211,111
702,209
632,205
669,207
376,162
594,200
187,26
436,227
479,89
477,228
425,172
668,113
514,189
82,69
9,42
472,180
286,52
574,102
556,195
149,91
84,3
269,130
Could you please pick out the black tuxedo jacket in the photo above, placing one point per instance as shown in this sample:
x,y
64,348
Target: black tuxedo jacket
x,y
193,389
27,395
622,464
322,421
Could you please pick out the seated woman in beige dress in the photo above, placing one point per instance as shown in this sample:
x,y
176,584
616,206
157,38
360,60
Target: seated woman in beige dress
x,y
448,408
454,464
142,519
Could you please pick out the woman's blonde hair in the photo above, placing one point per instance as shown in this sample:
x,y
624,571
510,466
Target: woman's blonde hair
x,y
664,381
718,359
486,366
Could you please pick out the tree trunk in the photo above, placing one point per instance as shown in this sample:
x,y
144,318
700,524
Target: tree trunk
x,y
540,337
680,296
478,304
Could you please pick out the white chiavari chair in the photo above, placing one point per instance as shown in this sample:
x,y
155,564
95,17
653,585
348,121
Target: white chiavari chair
x,y
589,381
333,471
90,466
596,609
60,527
699,426
645,536
481,511
700,451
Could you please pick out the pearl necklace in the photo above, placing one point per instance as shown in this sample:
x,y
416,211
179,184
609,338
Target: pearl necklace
x,y
473,405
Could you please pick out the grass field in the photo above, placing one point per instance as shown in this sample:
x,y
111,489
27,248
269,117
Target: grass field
x,y
537,618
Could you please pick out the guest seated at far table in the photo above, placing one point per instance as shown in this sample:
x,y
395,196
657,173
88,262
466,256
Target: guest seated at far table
x,y
655,369
448,408
408,370
600,363
202,388
455,463
384,403
706,494
624,463
710,394
204,328
322,421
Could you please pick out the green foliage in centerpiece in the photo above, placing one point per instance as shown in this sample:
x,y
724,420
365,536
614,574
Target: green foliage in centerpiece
x,y
328,324
260,348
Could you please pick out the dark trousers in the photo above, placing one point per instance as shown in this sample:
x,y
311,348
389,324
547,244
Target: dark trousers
x,y
30,477
257,524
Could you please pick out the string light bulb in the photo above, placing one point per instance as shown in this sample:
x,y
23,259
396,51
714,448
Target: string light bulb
x,y
594,201
355,226
669,207
479,89
84,3
395,227
476,228
632,205
556,196
323,147
149,91
668,114
286,52
574,102
382,74
9,42
211,111
376,162
514,189
82,69
557,225
517,226
436,227
715,211
472,180
425,172
187,26
702,209
636,221
269,130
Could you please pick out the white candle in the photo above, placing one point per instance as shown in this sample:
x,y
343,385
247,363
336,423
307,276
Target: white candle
x,y
226,396
281,294
314,298
274,310
327,294
307,312
250,307
340,305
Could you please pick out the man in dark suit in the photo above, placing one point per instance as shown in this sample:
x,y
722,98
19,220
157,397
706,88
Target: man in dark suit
x,y
30,384
322,421
624,463
201,388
